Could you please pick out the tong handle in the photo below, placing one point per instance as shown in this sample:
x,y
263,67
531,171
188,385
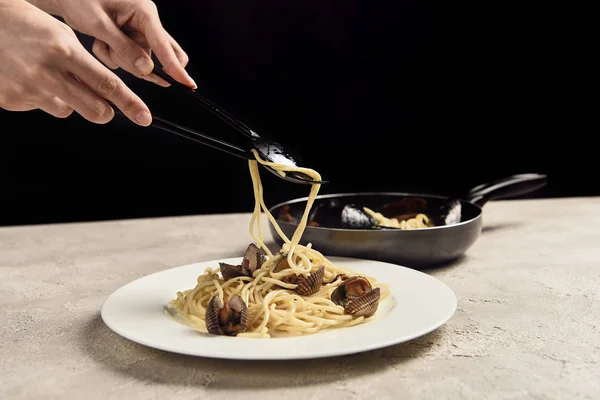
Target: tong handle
x,y
206,103
196,136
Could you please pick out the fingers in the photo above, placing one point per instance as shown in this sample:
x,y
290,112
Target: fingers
x,y
83,100
162,44
112,60
55,107
132,57
17,97
95,86
18,106
116,49
116,58
181,55
102,51
153,77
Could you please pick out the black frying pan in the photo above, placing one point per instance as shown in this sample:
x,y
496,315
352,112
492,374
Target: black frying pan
x,y
332,233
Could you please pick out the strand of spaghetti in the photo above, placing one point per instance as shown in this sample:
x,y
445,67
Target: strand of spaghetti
x,y
255,175
279,283
190,298
237,279
303,221
219,289
297,323
250,292
313,192
266,310
281,316
255,219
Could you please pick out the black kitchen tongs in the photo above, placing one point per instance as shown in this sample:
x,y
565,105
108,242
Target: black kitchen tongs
x,y
268,150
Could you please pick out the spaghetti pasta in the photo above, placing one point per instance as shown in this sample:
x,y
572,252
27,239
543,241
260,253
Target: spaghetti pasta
x,y
418,221
275,304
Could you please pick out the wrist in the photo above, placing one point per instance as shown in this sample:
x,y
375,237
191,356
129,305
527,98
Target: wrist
x,y
49,6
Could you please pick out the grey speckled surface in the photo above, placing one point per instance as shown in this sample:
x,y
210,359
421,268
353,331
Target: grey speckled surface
x,y
527,324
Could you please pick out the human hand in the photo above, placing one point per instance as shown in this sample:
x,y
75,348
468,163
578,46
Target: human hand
x,y
126,33
44,66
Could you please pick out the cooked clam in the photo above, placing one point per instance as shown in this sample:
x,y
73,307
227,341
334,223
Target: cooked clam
x,y
307,285
365,305
356,286
253,259
357,296
343,277
282,264
226,317
230,271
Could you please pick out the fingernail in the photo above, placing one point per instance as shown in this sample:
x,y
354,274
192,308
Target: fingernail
x,y
143,118
195,86
144,65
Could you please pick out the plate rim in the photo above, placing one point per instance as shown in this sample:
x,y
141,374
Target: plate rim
x,y
273,356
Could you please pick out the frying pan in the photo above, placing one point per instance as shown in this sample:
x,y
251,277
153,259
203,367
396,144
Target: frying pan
x,y
415,248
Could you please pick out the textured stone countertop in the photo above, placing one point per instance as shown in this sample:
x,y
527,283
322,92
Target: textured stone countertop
x,y
527,324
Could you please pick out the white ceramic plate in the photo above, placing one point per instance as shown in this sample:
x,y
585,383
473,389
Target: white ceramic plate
x,y
418,304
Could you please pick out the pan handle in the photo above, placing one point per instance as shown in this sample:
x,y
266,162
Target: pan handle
x,y
508,187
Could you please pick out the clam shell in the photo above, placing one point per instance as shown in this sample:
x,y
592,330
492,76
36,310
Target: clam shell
x,y
230,271
343,277
244,316
356,280
338,296
281,265
307,286
211,317
254,258
365,305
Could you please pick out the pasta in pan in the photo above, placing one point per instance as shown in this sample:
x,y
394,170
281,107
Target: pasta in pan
x,y
418,221
295,291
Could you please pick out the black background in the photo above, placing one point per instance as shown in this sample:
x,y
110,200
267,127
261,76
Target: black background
x,y
434,97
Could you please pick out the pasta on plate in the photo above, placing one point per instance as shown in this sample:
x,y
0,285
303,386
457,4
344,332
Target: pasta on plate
x,y
295,291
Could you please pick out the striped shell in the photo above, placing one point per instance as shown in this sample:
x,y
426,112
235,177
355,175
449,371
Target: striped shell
x,y
365,305
230,271
306,286
338,296
351,287
222,320
282,264
254,258
357,297
356,286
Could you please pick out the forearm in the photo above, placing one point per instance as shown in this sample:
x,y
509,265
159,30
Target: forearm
x,y
49,6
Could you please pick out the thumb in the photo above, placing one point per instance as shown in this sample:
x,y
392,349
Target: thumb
x,y
133,57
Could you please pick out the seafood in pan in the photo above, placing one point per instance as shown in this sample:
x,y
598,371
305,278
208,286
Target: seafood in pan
x,y
409,213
